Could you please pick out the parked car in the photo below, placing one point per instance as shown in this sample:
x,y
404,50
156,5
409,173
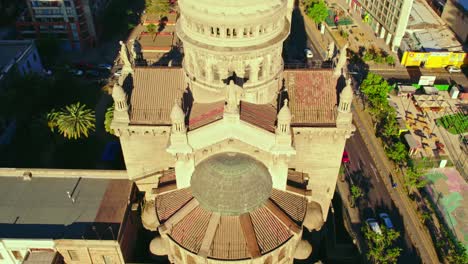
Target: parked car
x,y
308,53
76,72
374,225
453,69
104,66
386,220
345,158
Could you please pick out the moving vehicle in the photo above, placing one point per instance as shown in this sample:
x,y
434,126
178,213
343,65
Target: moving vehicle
x,y
118,72
453,69
104,66
345,158
308,53
374,225
386,220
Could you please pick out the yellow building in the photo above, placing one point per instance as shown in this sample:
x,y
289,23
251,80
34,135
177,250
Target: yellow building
x,y
434,59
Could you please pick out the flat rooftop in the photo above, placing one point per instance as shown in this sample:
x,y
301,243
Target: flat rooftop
x,y
11,49
41,207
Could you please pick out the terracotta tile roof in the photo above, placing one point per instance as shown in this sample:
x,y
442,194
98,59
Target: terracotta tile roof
x,y
293,205
168,176
263,116
229,241
268,229
167,204
154,92
189,232
114,203
203,114
312,96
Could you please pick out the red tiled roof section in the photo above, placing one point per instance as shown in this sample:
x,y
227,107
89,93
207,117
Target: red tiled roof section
x,y
190,231
229,241
115,201
154,93
203,114
269,230
169,203
312,96
263,116
294,206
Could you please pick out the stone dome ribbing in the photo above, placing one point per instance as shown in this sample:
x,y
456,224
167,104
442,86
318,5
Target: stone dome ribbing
x,y
231,183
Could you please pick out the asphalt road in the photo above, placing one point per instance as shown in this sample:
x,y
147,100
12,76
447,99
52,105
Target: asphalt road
x,y
377,199
412,74
298,41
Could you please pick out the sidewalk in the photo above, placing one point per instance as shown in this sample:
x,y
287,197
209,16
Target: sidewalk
x,y
361,31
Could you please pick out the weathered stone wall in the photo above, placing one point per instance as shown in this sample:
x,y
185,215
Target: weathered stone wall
x,y
145,154
318,153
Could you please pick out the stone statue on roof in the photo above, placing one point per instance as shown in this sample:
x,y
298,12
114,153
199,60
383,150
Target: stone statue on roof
x,y
124,54
233,96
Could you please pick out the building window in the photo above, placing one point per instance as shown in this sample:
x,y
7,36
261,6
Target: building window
x,y
17,254
34,57
29,64
74,256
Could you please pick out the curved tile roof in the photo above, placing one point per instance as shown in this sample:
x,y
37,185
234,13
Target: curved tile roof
x,y
228,237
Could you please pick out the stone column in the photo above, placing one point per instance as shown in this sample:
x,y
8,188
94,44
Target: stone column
x,y
223,32
389,37
267,66
209,71
382,33
254,69
240,32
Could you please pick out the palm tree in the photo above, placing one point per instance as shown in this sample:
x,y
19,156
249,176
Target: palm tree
x,y
73,121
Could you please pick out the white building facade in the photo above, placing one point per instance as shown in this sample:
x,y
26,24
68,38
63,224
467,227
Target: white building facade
x,y
388,18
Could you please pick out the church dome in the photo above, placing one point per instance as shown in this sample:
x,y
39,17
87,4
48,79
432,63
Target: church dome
x,y
235,23
231,183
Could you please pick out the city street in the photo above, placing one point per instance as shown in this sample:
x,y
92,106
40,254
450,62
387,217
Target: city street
x,y
376,199
380,172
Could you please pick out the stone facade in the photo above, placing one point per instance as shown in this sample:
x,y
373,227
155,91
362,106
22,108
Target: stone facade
x,y
233,55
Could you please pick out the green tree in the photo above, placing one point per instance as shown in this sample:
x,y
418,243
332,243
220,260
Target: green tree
x,y
47,47
356,193
151,28
108,117
390,60
318,11
389,125
375,88
397,152
73,121
158,7
414,179
381,248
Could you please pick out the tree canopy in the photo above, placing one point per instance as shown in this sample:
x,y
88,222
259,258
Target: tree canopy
x,y
318,11
414,179
381,246
73,121
108,117
157,7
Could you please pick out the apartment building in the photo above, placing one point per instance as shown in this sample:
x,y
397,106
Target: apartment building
x,y
388,18
456,15
72,21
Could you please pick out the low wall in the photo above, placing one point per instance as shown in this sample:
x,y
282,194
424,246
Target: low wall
x,y
62,173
